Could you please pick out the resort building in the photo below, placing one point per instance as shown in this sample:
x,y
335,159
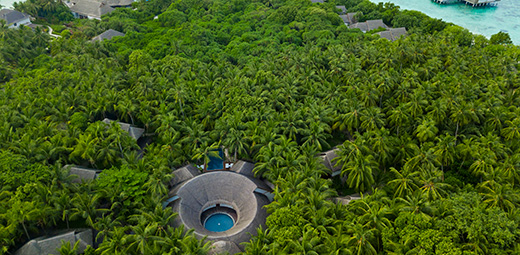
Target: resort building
x,y
107,35
83,174
88,9
134,132
369,25
329,161
342,8
225,206
14,19
50,244
393,34
348,18
94,9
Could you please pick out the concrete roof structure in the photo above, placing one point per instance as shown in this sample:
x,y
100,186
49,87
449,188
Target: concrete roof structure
x,y
235,189
83,173
134,132
329,161
317,1
107,35
12,16
50,244
90,8
369,25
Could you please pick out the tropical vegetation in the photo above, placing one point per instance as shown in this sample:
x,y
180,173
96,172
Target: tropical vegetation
x,y
427,128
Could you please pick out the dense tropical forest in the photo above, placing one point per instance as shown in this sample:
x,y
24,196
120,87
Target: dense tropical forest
x,y
428,126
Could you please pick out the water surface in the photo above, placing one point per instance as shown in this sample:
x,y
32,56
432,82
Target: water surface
x,y
485,21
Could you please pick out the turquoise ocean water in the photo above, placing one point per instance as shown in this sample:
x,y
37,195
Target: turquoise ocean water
x,y
485,21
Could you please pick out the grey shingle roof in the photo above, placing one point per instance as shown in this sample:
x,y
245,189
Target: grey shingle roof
x,y
362,26
243,168
83,173
107,35
223,247
183,174
90,8
317,1
118,3
12,16
369,25
342,8
49,244
393,34
134,132
329,160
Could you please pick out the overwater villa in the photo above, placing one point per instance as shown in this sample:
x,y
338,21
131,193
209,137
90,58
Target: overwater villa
x,y
474,3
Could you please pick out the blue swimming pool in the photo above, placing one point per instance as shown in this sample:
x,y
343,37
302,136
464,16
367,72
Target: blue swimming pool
x,y
219,222
216,163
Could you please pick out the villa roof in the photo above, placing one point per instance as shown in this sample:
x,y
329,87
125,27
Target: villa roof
x,y
369,25
49,244
348,18
107,35
317,1
183,174
117,3
90,8
393,34
342,8
83,173
243,168
224,247
134,132
329,161
221,187
12,16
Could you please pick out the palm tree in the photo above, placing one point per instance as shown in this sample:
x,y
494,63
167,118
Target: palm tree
x,y
361,240
404,182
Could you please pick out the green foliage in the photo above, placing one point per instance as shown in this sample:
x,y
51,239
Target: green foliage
x,y
16,171
500,38
124,184
53,11
426,127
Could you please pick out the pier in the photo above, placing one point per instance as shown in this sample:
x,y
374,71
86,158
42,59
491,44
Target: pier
x,y
474,3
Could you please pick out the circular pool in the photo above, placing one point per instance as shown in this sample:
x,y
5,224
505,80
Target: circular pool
x,y
219,222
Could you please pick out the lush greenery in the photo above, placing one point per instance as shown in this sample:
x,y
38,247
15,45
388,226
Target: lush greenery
x,y
427,127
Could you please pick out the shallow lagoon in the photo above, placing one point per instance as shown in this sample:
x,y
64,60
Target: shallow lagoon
x,y
486,21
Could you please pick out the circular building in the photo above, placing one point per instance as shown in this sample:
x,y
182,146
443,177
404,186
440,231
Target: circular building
x,y
225,206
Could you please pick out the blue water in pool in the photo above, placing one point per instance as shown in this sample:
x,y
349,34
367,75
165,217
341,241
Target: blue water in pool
x,y
218,222
485,21
216,163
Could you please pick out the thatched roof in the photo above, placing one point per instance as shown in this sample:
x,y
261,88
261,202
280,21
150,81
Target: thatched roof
x,y
12,16
107,35
244,193
49,244
223,247
90,8
243,168
134,132
369,25
393,34
183,174
329,160
342,8
83,173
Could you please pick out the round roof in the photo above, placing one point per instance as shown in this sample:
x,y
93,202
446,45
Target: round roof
x,y
221,187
